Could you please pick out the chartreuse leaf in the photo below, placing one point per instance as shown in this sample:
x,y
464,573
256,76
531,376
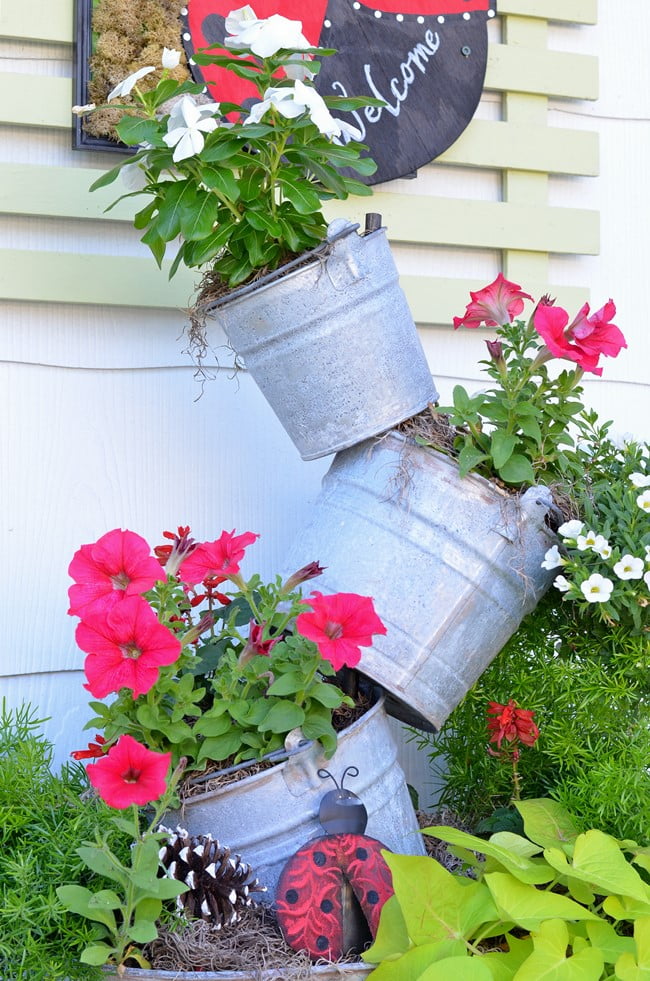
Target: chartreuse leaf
x,y
549,961
413,964
548,823
624,908
78,900
603,936
435,904
598,861
631,968
392,937
512,858
504,965
470,969
527,906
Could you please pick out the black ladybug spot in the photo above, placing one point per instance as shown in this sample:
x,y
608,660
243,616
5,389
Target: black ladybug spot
x,y
327,906
319,858
291,895
372,897
322,943
214,28
362,853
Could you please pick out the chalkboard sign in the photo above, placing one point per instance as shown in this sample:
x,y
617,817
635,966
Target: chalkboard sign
x,y
425,58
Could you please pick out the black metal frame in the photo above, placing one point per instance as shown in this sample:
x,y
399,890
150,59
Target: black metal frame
x,y
83,46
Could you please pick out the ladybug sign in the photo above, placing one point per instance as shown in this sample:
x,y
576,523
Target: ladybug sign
x,y
425,59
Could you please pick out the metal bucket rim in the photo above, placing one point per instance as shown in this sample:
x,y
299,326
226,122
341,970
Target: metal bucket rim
x,y
257,778
327,972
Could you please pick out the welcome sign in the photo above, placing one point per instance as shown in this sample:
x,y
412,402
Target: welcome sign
x,y
425,58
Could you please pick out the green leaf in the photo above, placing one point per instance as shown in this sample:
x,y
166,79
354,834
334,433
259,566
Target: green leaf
x,y
469,458
282,717
512,858
328,695
143,931
549,961
467,968
504,965
288,683
132,130
105,899
530,427
517,470
154,888
213,724
305,200
631,968
547,822
103,862
104,181
598,861
155,243
222,180
168,223
527,906
78,900
220,747
501,447
199,215
604,937
97,954
392,937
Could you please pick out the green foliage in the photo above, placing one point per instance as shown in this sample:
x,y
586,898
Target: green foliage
x,y
43,819
564,905
588,684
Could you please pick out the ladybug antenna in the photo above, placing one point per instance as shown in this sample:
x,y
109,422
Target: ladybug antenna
x,y
352,770
325,774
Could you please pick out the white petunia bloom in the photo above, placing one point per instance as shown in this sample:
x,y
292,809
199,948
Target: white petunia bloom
x,y
562,583
643,500
186,125
640,479
571,529
553,559
170,58
629,567
265,37
125,86
583,542
597,589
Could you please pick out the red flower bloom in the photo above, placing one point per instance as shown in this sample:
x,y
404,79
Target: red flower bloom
x,y
96,749
118,564
130,774
339,625
171,556
307,572
511,724
220,558
126,645
585,339
255,642
494,305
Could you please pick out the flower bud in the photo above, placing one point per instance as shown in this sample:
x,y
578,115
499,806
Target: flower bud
x,y
303,575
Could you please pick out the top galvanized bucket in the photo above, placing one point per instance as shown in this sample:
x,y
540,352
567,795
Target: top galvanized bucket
x,y
332,344
453,566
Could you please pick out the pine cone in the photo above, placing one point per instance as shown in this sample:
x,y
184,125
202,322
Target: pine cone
x,y
219,886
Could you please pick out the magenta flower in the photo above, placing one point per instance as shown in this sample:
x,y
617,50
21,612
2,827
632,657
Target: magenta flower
x,y
585,339
494,305
126,645
130,774
118,564
339,625
216,559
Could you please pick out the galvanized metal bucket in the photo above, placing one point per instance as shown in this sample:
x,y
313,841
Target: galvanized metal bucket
x,y
332,344
453,566
321,972
268,816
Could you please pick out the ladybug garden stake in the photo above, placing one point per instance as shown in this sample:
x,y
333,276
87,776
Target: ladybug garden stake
x,y
332,890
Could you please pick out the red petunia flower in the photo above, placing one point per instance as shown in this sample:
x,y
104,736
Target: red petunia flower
x,y
126,645
255,642
494,305
118,564
213,559
95,750
339,625
130,774
585,339
511,724
171,556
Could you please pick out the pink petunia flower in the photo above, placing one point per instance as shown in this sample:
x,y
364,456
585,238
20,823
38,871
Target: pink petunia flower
x,y
126,646
130,774
494,305
216,559
118,564
585,339
339,625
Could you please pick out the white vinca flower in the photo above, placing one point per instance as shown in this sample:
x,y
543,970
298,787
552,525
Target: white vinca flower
x,y
265,37
640,479
125,86
629,567
562,583
170,58
571,529
293,102
583,542
646,578
553,559
597,589
186,125
643,500
133,177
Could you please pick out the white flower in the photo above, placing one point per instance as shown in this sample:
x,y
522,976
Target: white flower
x,y
186,125
553,559
561,583
643,500
583,542
293,102
264,37
602,547
571,529
82,110
297,67
133,177
124,87
282,99
647,553
629,567
170,58
640,479
597,589
646,578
